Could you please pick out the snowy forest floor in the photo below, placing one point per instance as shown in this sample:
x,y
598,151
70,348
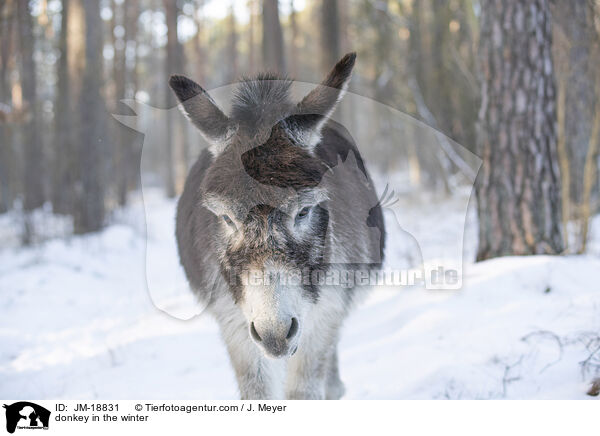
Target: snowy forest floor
x,y
76,321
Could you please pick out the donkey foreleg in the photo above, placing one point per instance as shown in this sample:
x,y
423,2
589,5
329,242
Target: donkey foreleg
x,y
309,370
334,389
306,377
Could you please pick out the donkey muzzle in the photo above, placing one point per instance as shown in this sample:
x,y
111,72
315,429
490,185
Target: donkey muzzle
x,y
276,338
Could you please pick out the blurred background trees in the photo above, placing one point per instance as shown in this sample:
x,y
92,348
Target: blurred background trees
x,y
576,57
65,66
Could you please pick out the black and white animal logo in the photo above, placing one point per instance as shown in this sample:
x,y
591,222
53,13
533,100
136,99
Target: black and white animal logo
x,y
26,415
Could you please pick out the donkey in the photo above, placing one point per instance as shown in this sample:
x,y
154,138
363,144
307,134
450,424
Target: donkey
x,y
258,226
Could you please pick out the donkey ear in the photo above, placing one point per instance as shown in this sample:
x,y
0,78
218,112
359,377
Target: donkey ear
x,y
314,109
203,112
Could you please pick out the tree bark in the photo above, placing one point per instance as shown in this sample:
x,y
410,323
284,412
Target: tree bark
x,y
518,187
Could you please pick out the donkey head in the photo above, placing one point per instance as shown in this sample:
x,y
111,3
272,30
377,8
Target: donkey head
x,y
263,189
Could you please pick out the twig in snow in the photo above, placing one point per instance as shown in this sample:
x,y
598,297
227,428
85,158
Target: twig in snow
x,y
551,335
592,362
506,379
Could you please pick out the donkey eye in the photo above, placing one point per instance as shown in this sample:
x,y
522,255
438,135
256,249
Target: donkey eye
x,y
303,213
228,221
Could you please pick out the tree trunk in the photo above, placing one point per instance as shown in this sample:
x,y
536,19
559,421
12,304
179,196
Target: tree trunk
x,y
199,73
441,100
175,133
76,62
330,35
344,17
293,41
62,193
7,173
135,139
33,156
125,138
232,47
92,140
433,167
273,57
252,7
575,23
578,25
518,187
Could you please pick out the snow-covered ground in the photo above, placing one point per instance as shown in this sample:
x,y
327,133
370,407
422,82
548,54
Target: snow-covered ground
x,y
77,321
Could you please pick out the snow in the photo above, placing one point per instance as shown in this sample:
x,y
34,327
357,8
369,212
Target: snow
x,y
77,320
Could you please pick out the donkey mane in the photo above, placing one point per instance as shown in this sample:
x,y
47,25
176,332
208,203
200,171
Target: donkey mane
x,y
261,101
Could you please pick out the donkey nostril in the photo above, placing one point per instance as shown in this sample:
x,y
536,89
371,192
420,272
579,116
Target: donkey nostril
x,y
293,329
254,333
